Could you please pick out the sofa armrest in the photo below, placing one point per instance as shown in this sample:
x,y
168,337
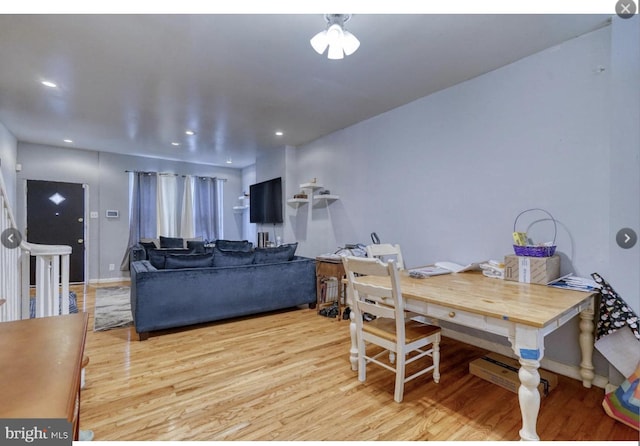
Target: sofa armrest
x,y
137,252
141,266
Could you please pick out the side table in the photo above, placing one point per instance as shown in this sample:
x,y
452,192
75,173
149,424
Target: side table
x,y
327,268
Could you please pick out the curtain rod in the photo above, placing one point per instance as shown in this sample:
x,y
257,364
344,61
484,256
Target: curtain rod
x,y
174,174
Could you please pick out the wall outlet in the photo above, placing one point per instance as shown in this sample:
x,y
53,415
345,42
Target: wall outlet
x,y
112,267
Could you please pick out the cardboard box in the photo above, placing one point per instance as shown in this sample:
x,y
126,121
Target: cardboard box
x,y
503,371
540,270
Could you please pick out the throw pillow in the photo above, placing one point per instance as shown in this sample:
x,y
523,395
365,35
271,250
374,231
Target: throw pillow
x,y
155,241
623,404
232,258
196,246
180,261
171,242
234,245
282,253
157,256
147,246
187,240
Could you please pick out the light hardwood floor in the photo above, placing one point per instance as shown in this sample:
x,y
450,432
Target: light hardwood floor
x,y
286,376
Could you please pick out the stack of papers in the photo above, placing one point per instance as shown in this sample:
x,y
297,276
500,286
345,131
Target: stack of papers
x,y
427,271
571,282
441,268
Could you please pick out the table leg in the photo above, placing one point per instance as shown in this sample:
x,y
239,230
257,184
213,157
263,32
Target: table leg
x,y
529,397
528,345
586,346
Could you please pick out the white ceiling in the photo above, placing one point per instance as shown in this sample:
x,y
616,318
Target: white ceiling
x,y
133,84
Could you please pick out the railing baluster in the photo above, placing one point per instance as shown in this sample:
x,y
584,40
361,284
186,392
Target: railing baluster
x,y
52,287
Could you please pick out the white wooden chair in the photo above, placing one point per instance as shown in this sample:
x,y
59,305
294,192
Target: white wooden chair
x,y
386,251
407,339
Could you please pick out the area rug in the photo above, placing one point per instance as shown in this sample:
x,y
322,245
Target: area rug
x,y
113,308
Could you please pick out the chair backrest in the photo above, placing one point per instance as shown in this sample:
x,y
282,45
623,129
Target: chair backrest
x,y
382,300
386,251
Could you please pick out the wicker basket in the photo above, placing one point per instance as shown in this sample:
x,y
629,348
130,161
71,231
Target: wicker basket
x,y
536,251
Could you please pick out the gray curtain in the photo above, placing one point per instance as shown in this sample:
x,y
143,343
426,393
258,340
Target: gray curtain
x,y
142,210
207,210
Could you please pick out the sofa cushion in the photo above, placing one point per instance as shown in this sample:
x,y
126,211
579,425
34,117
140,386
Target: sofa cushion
x,y
231,258
154,241
282,253
180,261
157,256
171,242
196,246
234,245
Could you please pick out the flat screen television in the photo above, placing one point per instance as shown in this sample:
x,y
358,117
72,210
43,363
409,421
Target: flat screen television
x,y
265,201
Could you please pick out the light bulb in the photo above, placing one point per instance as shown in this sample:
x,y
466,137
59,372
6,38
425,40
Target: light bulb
x,y
350,43
319,42
335,52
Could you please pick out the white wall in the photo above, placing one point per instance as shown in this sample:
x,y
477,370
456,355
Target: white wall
x,y
8,150
624,177
249,231
446,175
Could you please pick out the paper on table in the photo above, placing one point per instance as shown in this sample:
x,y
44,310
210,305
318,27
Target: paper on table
x,y
571,282
427,271
455,268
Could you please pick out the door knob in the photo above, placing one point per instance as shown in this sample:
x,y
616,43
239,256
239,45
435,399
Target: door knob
x,y
80,240
80,219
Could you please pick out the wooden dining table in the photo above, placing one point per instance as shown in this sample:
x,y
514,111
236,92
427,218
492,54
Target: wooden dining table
x,y
523,313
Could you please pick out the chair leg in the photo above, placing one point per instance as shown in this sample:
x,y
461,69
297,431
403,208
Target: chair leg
x,y
436,359
362,362
399,390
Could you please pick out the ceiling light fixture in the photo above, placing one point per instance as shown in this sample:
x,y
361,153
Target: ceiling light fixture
x,y
176,144
339,40
68,141
49,84
279,133
189,132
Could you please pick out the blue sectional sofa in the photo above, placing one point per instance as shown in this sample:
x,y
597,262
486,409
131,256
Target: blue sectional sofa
x,y
191,288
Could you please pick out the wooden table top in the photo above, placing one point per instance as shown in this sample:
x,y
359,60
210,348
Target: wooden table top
x,y
529,304
40,365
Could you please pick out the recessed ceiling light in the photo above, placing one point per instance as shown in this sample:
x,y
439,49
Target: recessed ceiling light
x,y
279,133
176,144
68,140
49,84
229,161
189,132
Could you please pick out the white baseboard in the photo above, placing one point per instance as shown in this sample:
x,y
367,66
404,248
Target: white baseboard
x,y
567,370
109,280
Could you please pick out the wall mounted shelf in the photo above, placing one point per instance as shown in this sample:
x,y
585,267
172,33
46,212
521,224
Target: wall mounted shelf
x,y
242,207
328,197
297,201
312,186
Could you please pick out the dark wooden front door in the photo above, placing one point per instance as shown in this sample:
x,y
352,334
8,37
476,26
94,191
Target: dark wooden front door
x,y
55,216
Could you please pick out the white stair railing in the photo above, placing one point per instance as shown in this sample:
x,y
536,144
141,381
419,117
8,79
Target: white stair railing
x,y
50,283
10,308
52,273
